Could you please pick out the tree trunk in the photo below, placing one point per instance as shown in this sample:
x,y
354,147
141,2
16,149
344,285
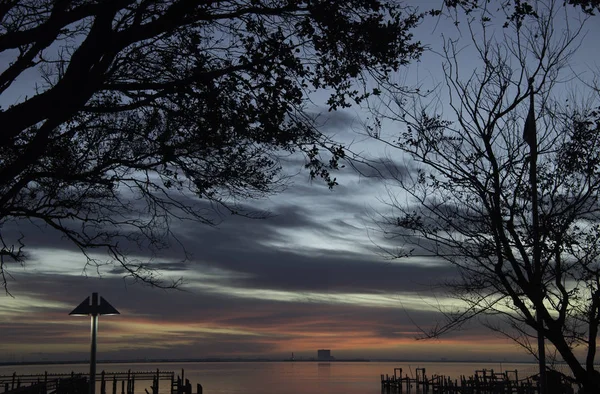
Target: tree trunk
x,y
592,383
588,380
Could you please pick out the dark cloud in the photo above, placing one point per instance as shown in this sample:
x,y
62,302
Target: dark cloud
x,y
311,247
333,122
192,302
254,253
199,322
286,271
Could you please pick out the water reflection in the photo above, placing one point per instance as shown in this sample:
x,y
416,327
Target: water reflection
x,y
324,370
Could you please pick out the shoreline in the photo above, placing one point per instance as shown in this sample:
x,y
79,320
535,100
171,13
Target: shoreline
x,y
251,360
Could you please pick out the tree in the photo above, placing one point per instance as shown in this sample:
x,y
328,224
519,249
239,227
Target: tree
x,y
133,111
507,189
520,8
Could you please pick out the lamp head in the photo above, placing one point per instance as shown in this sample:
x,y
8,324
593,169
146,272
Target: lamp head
x,y
95,308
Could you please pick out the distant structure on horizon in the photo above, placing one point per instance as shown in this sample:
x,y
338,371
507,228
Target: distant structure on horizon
x,y
324,355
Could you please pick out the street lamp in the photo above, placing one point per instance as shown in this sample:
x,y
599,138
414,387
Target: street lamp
x,y
94,309
530,137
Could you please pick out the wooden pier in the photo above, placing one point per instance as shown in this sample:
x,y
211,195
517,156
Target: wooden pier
x,y
484,381
110,383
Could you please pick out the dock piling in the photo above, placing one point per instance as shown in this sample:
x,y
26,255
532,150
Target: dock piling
x,y
102,383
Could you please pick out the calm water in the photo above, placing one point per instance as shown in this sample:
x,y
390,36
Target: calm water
x,y
282,377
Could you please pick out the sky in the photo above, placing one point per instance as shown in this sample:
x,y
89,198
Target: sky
x,y
312,275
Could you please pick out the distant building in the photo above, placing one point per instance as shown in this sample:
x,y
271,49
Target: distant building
x,y
324,355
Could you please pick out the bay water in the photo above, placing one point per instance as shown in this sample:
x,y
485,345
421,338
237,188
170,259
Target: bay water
x,y
280,377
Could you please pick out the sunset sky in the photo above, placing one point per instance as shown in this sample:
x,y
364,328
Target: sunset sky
x,y
313,275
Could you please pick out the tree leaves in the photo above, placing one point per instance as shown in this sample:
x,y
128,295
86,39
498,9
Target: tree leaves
x,y
143,99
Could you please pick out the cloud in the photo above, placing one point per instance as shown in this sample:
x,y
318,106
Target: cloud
x,y
201,323
306,277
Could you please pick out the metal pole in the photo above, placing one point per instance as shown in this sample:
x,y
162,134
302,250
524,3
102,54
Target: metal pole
x,y
93,350
541,354
530,136
537,268
94,310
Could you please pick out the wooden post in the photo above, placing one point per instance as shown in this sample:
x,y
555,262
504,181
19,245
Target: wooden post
x,y
173,382
114,390
133,384
157,379
102,383
122,387
199,388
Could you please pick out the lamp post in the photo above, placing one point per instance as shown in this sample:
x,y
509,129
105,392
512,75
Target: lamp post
x,y
530,137
94,310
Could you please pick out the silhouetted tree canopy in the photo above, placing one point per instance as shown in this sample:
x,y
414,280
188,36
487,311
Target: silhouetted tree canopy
x,y
520,7
505,185
118,115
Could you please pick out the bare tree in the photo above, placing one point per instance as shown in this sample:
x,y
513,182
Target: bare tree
x,y
519,8
507,188
120,116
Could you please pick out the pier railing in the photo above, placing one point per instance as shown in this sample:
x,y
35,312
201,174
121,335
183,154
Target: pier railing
x,y
484,381
110,383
